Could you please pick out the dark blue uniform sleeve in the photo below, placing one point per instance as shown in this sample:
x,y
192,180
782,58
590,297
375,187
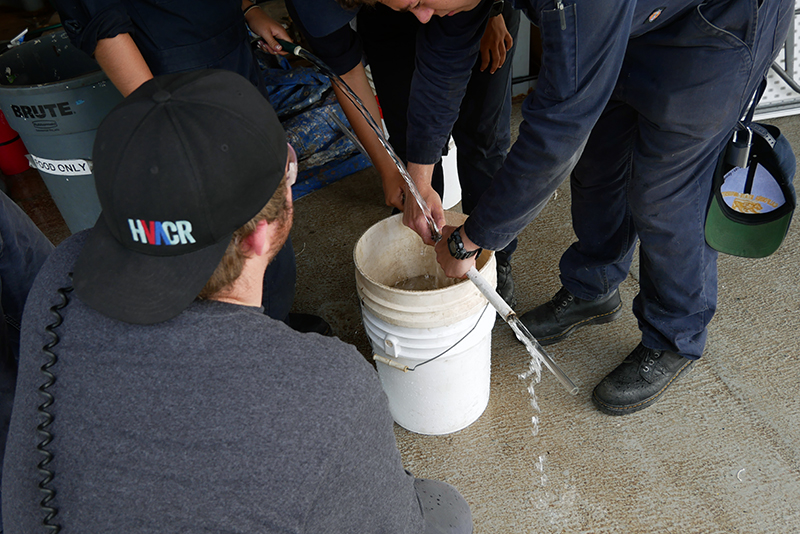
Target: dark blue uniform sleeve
x,y
583,49
88,21
447,48
340,50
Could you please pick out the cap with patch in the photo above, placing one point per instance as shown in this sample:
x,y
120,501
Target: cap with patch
x,y
179,165
751,207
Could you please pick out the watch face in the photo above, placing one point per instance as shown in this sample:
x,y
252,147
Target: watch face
x,y
456,246
453,247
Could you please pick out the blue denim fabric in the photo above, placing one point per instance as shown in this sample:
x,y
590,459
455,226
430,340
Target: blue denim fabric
x,y
23,250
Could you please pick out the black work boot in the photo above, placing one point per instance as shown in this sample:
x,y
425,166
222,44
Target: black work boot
x,y
553,321
639,381
505,283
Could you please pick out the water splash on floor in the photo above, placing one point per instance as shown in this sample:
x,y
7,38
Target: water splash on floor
x,y
534,375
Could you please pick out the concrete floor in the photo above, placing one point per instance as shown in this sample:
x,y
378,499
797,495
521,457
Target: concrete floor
x,y
719,453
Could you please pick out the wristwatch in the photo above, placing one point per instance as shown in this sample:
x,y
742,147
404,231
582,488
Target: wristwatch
x,y
456,246
497,8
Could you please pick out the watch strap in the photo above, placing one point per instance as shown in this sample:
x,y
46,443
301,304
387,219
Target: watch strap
x,y
497,8
456,246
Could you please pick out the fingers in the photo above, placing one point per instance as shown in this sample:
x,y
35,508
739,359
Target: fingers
x,y
499,59
419,225
280,32
393,192
395,199
452,267
414,218
509,41
271,46
437,212
486,57
503,54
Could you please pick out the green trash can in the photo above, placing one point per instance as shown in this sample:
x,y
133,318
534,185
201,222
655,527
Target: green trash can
x,y
55,96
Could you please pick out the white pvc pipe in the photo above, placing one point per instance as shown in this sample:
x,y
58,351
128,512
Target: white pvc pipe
x,y
510,317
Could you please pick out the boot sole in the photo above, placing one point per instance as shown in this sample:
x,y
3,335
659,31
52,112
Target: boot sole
x,y
631,408
604,318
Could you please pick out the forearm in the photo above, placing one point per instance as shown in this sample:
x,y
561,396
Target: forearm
x,y
357,80
122,62
422,175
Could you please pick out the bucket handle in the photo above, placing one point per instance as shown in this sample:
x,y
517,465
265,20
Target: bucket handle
x,y
390,362
392,342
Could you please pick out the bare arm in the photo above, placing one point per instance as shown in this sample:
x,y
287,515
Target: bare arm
x,y
390,176
122,62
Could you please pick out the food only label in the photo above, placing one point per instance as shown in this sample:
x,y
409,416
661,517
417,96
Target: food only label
x,y
61,167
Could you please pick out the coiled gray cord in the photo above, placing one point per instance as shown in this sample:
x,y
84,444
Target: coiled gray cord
x,y
42,428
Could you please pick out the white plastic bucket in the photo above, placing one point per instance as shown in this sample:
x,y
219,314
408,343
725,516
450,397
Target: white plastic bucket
x,y
452,187
411,327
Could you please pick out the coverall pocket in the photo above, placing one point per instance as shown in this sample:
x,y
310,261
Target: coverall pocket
x,y
731,22
558,77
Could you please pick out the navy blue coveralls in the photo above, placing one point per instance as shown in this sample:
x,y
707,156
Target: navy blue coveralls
x,y
482,130
634,102
179,36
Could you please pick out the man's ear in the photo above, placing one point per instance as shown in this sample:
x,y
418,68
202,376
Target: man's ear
x,y
256,243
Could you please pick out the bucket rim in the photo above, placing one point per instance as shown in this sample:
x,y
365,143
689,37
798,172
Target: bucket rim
x,y
83,80
88,78
426,291
412,291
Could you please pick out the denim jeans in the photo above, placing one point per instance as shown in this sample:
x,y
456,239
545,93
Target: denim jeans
x,y
23,250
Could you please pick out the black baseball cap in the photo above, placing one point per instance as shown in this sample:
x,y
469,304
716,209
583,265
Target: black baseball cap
x,y
179,165
751,207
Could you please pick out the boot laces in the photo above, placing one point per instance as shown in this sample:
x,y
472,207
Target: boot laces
x,y
654,355
562,299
